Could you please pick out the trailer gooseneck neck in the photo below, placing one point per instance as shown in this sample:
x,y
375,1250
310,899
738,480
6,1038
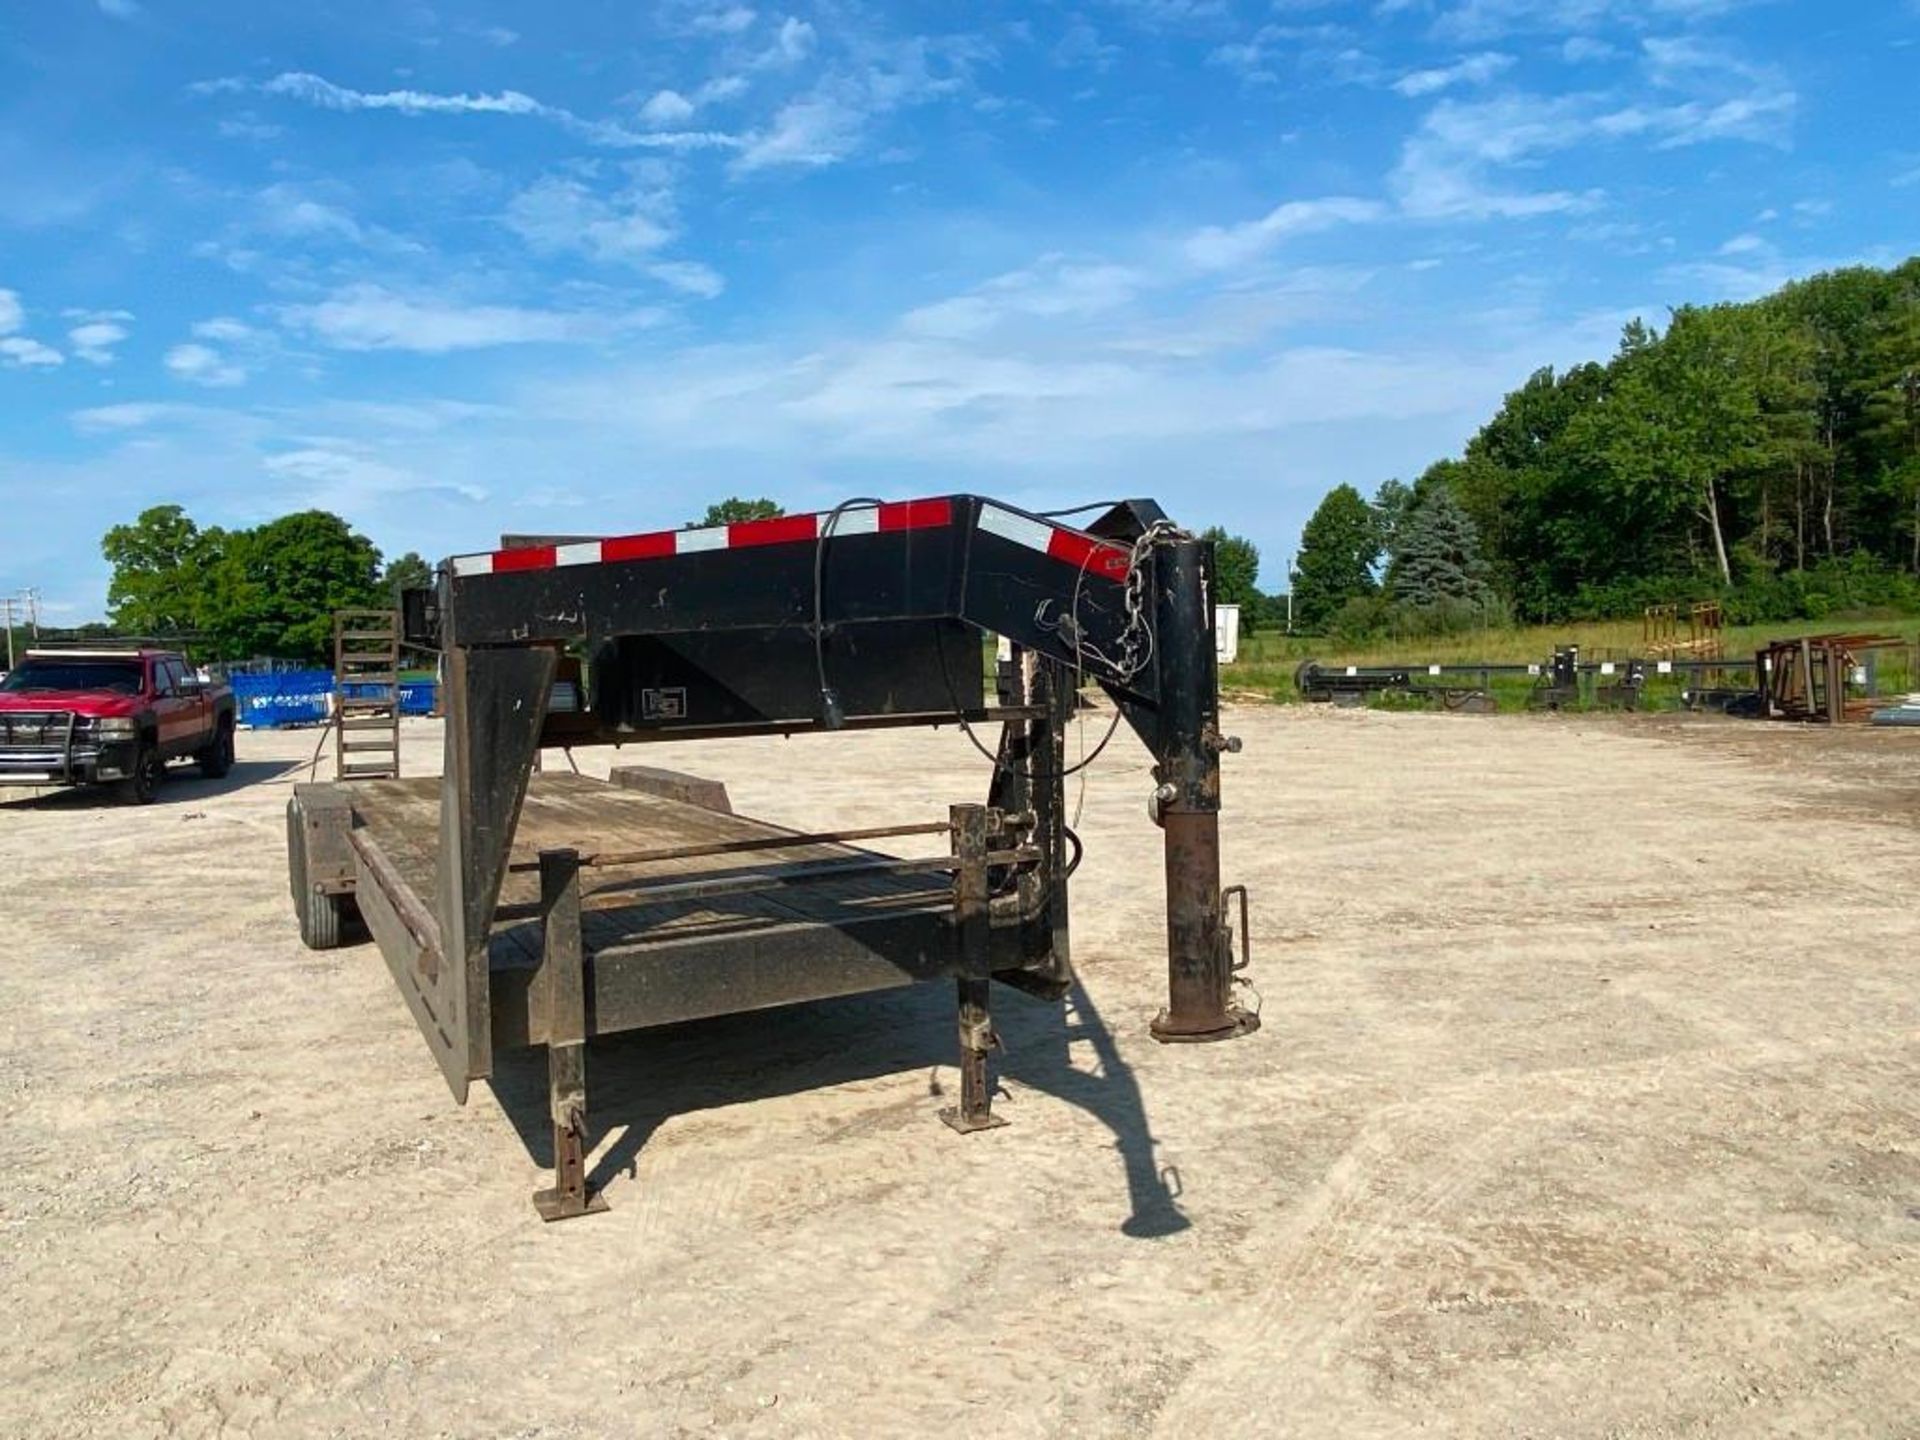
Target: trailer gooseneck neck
x,y
869,615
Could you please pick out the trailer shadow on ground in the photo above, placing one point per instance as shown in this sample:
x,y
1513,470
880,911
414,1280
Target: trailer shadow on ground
x,y
637,1081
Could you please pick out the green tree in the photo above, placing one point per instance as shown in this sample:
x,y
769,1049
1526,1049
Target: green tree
x,y
1891,433
1525,485
1392,503
1436,554
277,586
407,572
1338,550
733,510
161,564
1236,572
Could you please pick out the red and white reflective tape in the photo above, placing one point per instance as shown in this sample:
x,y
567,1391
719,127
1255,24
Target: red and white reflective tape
x,y
1083,552
657,544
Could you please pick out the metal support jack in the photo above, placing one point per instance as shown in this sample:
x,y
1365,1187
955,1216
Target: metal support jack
x,y
563,977
1200,963
972,915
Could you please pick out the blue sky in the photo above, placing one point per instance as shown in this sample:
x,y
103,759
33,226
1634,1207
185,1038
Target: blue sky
x,y
457,269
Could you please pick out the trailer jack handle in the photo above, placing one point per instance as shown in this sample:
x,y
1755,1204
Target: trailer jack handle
x,y
1246,932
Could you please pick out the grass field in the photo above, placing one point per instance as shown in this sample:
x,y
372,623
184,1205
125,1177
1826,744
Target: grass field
x,y
1268,659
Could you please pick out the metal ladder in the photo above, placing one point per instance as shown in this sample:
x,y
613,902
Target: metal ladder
x,y
366,722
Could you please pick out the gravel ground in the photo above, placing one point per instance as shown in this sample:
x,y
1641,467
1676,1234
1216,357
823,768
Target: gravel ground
x,y
1584,1106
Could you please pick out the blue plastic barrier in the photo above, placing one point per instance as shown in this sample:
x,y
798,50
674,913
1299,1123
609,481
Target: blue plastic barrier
x,y
304,697
293,697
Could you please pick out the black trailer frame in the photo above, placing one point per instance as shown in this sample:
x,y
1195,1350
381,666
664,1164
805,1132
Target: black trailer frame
x,y
868,615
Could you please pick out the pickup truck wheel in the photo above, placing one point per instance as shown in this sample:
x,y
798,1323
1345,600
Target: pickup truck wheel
x,y
217,758
143,782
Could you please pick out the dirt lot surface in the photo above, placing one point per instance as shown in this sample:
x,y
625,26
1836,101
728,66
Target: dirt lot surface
x,y
1586,1104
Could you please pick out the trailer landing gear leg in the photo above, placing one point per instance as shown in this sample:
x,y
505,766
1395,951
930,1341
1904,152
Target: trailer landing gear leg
x,y
974,918
975,1110
563,978
567,1087
1199,949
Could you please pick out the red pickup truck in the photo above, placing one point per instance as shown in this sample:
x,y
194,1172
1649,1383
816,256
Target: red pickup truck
x,y
91,717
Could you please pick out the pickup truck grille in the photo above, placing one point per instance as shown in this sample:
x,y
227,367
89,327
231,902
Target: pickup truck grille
x,y
38,729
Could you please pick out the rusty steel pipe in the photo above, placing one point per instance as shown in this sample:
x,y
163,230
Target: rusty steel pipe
x,y
1199,951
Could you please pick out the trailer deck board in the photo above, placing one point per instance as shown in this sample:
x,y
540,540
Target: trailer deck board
x,y
564,810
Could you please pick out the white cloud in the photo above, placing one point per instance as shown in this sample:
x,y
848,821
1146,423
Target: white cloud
x,y
1445,167
284,210
93,340
134,415
1471,70
828,124
1052,288
721,87
224,329
1485,19
793,43
558,213
341,478
322,93
498,36
714,19
204,365
370,317
1585,50
1221,247
1080,44
1743,245
119,9
812,132
21,351
969,401
1448,167
667,107
1761,118
247,126
689,276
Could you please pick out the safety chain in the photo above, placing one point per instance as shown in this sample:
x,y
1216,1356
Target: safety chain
x,y
1135,647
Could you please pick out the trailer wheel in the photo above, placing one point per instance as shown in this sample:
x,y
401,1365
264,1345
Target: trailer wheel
x,y
217,759
322,916
143,782
321,920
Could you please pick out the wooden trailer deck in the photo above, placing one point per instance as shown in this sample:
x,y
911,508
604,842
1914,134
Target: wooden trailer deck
x,y
573,811
656,962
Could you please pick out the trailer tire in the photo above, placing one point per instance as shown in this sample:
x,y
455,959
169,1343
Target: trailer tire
x,y
322,916
322,920
217,758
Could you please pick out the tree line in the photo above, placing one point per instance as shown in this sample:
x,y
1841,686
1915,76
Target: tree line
x,y
268,591
241,594
1765,453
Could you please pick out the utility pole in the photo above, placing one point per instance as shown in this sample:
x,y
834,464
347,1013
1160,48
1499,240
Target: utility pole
x,y
27,602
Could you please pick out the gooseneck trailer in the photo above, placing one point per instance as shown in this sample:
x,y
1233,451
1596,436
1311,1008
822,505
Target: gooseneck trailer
x,y
517,907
